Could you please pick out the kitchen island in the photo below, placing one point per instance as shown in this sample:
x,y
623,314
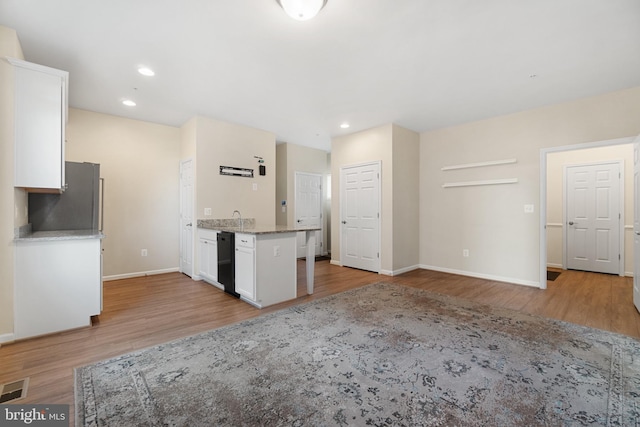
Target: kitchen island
x,y
58,280
265,260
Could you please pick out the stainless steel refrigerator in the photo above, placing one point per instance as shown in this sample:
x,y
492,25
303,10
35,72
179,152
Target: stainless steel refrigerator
x,y
79,207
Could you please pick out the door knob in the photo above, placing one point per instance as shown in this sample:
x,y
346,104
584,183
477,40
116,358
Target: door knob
x,y
570,222
344,222
299,220
188,225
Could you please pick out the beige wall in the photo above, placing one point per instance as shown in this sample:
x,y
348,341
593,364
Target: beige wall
x,y
398,151
555,190
282,218
140,164
220,143
12,202
406,167
489,220
368,146
188,133
292,158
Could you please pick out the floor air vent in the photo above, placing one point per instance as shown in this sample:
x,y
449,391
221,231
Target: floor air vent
x,y
14,391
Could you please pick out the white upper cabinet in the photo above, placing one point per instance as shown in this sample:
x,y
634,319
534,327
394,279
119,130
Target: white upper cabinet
x,y
40,119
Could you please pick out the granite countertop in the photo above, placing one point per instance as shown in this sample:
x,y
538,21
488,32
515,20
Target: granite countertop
x,y
250,227
59,235
263,229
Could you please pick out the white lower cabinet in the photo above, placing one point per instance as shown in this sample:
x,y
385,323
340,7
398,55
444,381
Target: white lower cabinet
x,y
208,255
265,268
245,266
57,285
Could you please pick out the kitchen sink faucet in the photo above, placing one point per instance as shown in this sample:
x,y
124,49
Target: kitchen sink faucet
x,y
240,219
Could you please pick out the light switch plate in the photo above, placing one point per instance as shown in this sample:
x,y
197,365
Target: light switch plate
x,y
255,186
528,208
207,211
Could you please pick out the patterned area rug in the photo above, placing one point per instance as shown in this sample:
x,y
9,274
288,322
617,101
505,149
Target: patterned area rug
x,y
380,355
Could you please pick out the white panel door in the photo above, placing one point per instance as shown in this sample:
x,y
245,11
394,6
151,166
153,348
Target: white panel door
x,y
308,210
636,223
186,217
593,217
360,216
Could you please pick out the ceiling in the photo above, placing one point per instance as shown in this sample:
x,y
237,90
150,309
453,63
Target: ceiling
x,y
422,64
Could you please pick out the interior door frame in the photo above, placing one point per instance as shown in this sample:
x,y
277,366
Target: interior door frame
x,y
542,226
379,207
621,200
193,275
636,223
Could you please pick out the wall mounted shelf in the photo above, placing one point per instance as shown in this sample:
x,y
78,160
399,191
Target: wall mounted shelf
x,y
480,164
477,183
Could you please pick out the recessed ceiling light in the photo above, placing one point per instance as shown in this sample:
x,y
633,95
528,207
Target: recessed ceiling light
x,y
345,126
129,103
146,71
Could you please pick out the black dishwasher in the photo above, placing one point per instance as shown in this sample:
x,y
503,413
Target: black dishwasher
x,y
226,262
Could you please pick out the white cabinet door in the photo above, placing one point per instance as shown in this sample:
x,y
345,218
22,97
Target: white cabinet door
x,y
245,272
40,117
203,244
208,250
209,260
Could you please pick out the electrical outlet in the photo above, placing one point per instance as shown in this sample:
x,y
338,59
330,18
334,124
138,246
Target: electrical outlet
x,y
143,252
528,208
255,186
465,253
276,251
207,211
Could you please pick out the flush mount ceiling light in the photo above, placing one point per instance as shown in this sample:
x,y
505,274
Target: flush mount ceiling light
x,y
302,10
129,103
145,71
345,125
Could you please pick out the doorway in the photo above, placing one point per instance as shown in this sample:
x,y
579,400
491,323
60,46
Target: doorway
x,y
186,217
551,222
308,210
360,216
594,207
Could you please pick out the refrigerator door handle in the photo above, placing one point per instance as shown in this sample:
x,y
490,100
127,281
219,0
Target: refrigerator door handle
x,y
101,205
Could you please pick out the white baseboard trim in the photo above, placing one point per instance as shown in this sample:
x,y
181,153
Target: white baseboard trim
x,y
628,273
5,338
334,262
140,274
482,276
399,271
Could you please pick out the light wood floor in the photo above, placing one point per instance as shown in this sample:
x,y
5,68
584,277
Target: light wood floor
x,y
145,311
